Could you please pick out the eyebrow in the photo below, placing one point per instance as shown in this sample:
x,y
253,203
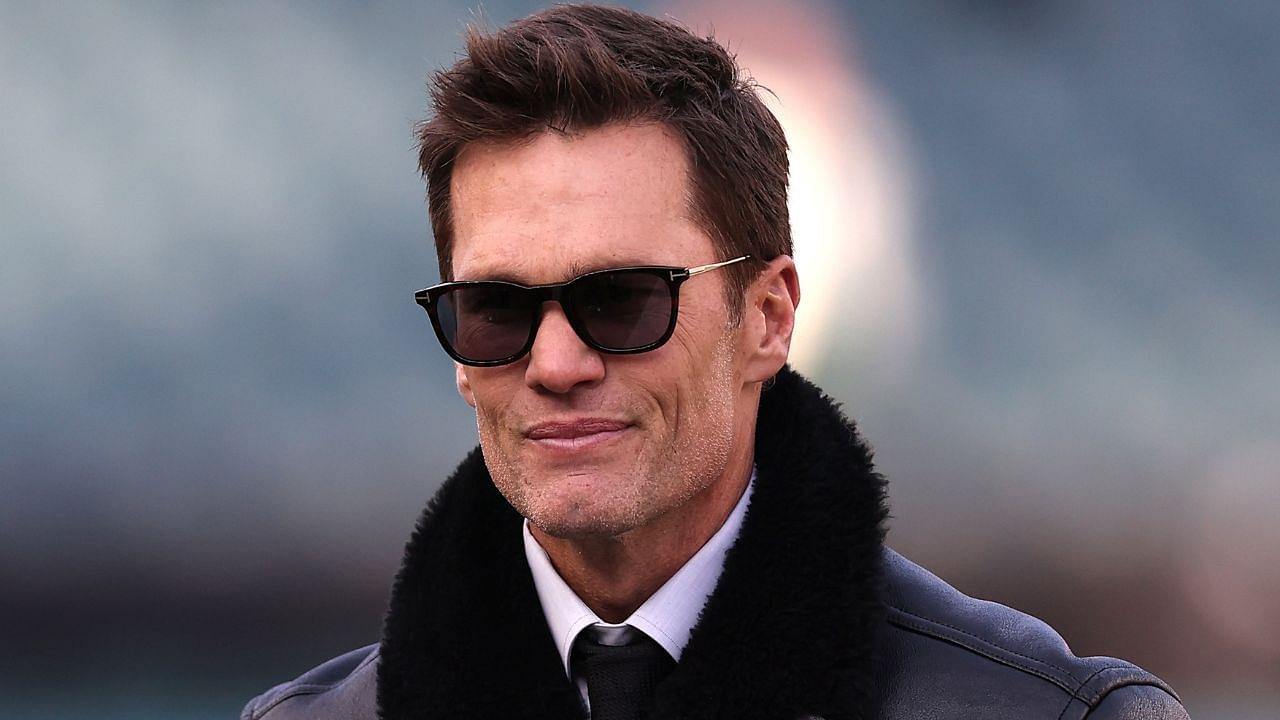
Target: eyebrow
x,y
576,268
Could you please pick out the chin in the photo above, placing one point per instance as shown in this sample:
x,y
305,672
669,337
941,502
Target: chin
x,y
578,528
583,516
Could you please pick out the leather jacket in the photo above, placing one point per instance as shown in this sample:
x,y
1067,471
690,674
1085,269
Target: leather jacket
x,y
813,617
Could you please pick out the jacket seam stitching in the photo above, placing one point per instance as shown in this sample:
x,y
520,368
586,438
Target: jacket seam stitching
x,y
311,688
1092,705
960,641
292,692
368,659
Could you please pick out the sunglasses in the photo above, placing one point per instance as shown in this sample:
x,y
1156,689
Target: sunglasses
x,y
484,323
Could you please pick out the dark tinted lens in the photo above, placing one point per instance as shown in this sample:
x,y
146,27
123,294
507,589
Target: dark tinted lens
x,y
486,321
623,310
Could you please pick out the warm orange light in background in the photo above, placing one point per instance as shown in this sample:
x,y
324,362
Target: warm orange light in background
x,y
849,196
1229,576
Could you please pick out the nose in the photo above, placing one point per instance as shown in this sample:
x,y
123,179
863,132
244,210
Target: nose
x,y
559,361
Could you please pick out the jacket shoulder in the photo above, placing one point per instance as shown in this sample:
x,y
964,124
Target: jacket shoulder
x,y
960,655
345,687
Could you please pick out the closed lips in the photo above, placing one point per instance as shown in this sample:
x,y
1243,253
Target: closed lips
x,y
568,430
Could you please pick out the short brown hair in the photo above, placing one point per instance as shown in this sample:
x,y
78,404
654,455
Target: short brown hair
x,y
578,67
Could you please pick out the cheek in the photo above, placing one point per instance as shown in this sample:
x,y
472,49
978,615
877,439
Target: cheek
x,y
500,448
490,417
703,401
492,398
491,388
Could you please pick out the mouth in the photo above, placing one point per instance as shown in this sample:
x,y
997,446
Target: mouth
x,y
575,435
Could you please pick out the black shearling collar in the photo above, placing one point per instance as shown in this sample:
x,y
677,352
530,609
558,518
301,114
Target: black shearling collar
x,y
789,632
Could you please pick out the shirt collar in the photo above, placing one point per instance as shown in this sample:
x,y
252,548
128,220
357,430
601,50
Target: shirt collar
x,y
668,616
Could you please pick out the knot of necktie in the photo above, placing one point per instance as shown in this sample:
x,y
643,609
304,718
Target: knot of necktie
x,y
621,672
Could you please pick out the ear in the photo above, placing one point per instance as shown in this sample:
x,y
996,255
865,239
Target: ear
x,y
464,384
769,317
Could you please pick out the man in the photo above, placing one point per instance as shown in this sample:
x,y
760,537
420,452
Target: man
x,y
662,519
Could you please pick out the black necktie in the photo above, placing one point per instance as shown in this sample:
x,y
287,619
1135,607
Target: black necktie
x,y
620,678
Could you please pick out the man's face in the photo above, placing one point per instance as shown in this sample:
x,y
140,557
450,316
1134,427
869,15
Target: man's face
x,y
579,442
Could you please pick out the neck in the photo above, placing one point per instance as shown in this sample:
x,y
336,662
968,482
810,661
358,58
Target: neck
x,y
614,575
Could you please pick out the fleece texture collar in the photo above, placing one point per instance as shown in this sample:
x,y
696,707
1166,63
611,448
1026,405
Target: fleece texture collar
x,y
790,631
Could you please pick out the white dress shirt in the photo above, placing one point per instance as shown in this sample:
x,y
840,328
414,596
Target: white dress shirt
x,y
668,616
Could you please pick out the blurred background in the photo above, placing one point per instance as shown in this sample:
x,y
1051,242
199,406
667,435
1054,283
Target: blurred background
x,y
1038,247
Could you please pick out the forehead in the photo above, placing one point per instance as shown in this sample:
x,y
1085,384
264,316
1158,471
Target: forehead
x,y
546,208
